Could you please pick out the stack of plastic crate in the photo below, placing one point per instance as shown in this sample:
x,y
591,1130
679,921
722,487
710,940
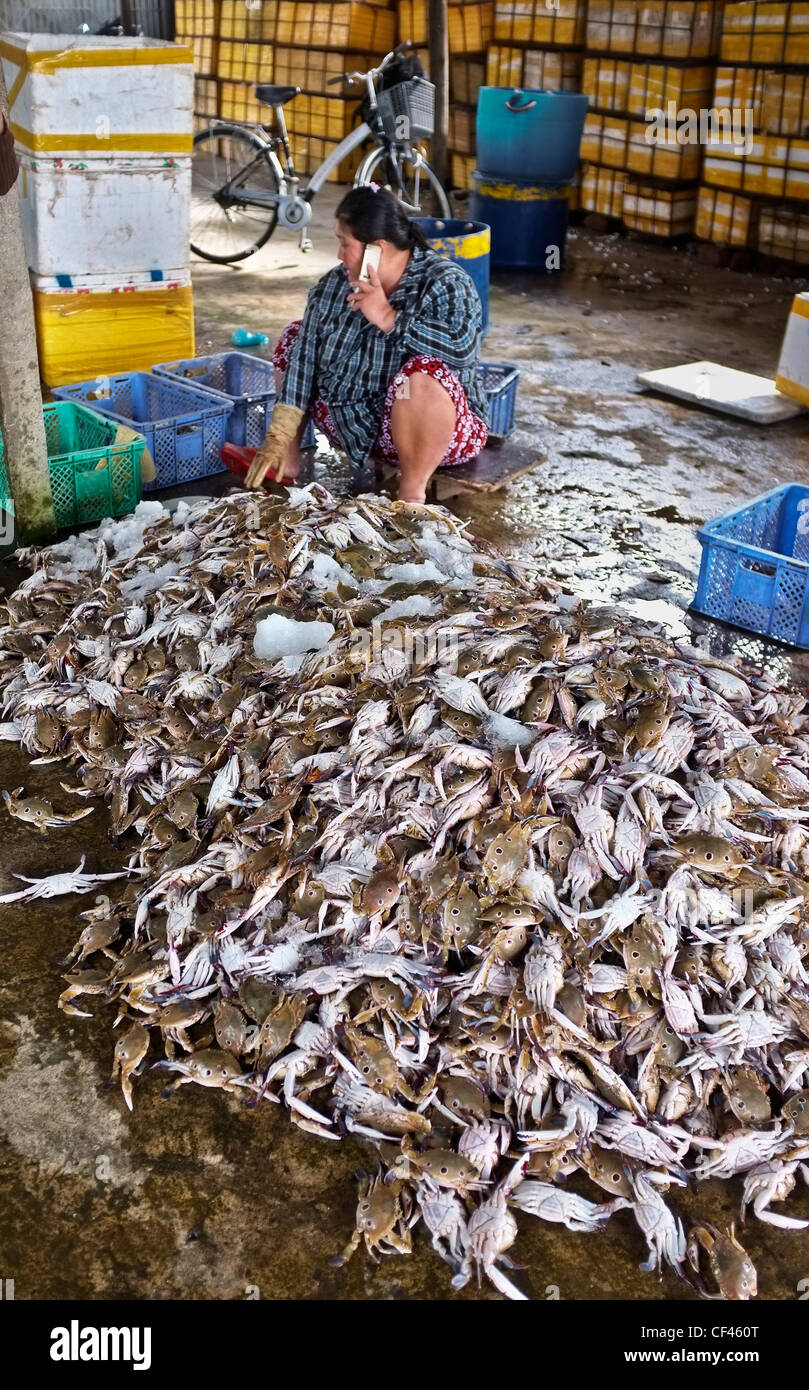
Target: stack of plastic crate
x,y
244,56
470,26
755,179
649,72
103,129
467,74
317,123
196,26
316,42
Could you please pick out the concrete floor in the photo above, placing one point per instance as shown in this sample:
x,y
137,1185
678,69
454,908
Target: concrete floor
x,y
195,1197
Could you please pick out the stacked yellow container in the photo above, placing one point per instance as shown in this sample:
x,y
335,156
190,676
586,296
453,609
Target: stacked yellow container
x,y
301,45
649,73
245,38
755,180
103,129
470,30
196,26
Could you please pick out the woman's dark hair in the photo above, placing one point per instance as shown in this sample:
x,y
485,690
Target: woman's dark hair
x,y
374,214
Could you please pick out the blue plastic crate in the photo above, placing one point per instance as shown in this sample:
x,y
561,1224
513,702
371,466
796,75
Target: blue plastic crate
x,y
500,381
754,572
184,427
249,382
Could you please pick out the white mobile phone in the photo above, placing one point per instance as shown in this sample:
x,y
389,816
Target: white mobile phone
x,y
370,256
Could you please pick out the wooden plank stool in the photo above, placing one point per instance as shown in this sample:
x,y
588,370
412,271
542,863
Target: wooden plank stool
x,y
502,461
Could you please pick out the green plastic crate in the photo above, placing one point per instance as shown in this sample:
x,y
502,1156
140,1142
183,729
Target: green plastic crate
x,y
79,440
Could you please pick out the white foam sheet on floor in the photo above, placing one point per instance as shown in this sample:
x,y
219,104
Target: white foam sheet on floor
x,y
725,389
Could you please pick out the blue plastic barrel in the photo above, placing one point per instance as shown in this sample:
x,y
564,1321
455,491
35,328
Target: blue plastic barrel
x,y
525,134
528,221
466,243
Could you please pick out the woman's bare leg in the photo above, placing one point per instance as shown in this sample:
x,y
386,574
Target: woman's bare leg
x,y
422,423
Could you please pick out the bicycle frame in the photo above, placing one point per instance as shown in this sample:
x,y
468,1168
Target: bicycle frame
x,y
350,142
294,203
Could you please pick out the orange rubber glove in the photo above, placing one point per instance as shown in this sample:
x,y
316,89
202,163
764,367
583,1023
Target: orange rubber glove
x,y
286,421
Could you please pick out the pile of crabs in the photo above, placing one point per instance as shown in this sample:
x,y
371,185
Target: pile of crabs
x,y
422,847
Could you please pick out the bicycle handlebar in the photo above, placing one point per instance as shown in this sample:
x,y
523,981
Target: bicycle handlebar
x,y
352,78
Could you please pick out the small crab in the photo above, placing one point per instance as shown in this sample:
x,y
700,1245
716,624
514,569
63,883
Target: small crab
x,y
383,1211
208,1067
130,1051
730,1265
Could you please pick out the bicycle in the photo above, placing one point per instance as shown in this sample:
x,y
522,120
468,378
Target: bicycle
x,y
241,190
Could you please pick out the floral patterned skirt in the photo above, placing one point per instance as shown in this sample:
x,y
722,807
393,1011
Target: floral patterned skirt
x,y
470,433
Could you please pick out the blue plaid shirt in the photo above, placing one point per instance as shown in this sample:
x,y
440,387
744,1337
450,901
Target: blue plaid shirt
x,y
342,359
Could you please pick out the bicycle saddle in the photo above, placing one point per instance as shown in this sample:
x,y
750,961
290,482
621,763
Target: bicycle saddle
x,y
275,96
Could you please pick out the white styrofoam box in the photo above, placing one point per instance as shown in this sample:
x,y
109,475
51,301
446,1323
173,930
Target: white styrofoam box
x,y
105,216
724,389
792,376
80,94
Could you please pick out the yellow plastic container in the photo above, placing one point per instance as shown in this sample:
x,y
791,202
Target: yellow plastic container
x,y
413,21
792,376
671,28
462,167
466,77
98,333
328,118
784,232
663,158
206,97
470,27
657,210
311,68
534,21
341,26
606,82
254,23
784,104
238,102
197,17
726,218
245,62
462,129
602,190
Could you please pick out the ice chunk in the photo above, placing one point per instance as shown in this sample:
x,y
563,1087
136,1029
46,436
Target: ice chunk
x,y
418,605
123,539
415,574
325,572
277,636
455,558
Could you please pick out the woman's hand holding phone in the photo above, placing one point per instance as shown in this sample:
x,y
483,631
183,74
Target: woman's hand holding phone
x,y
369,297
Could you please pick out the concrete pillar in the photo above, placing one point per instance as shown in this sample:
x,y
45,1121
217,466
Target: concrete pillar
x,y
21,421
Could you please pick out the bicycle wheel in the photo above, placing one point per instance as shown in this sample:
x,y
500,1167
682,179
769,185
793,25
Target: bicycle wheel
x,y
228,165
410,177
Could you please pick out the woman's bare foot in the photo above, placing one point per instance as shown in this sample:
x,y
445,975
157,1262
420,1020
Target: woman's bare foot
x,y
410,494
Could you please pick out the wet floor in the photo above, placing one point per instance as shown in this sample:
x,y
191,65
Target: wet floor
x,y
197,1197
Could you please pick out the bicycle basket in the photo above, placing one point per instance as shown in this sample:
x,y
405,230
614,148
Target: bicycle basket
x,y
408,110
